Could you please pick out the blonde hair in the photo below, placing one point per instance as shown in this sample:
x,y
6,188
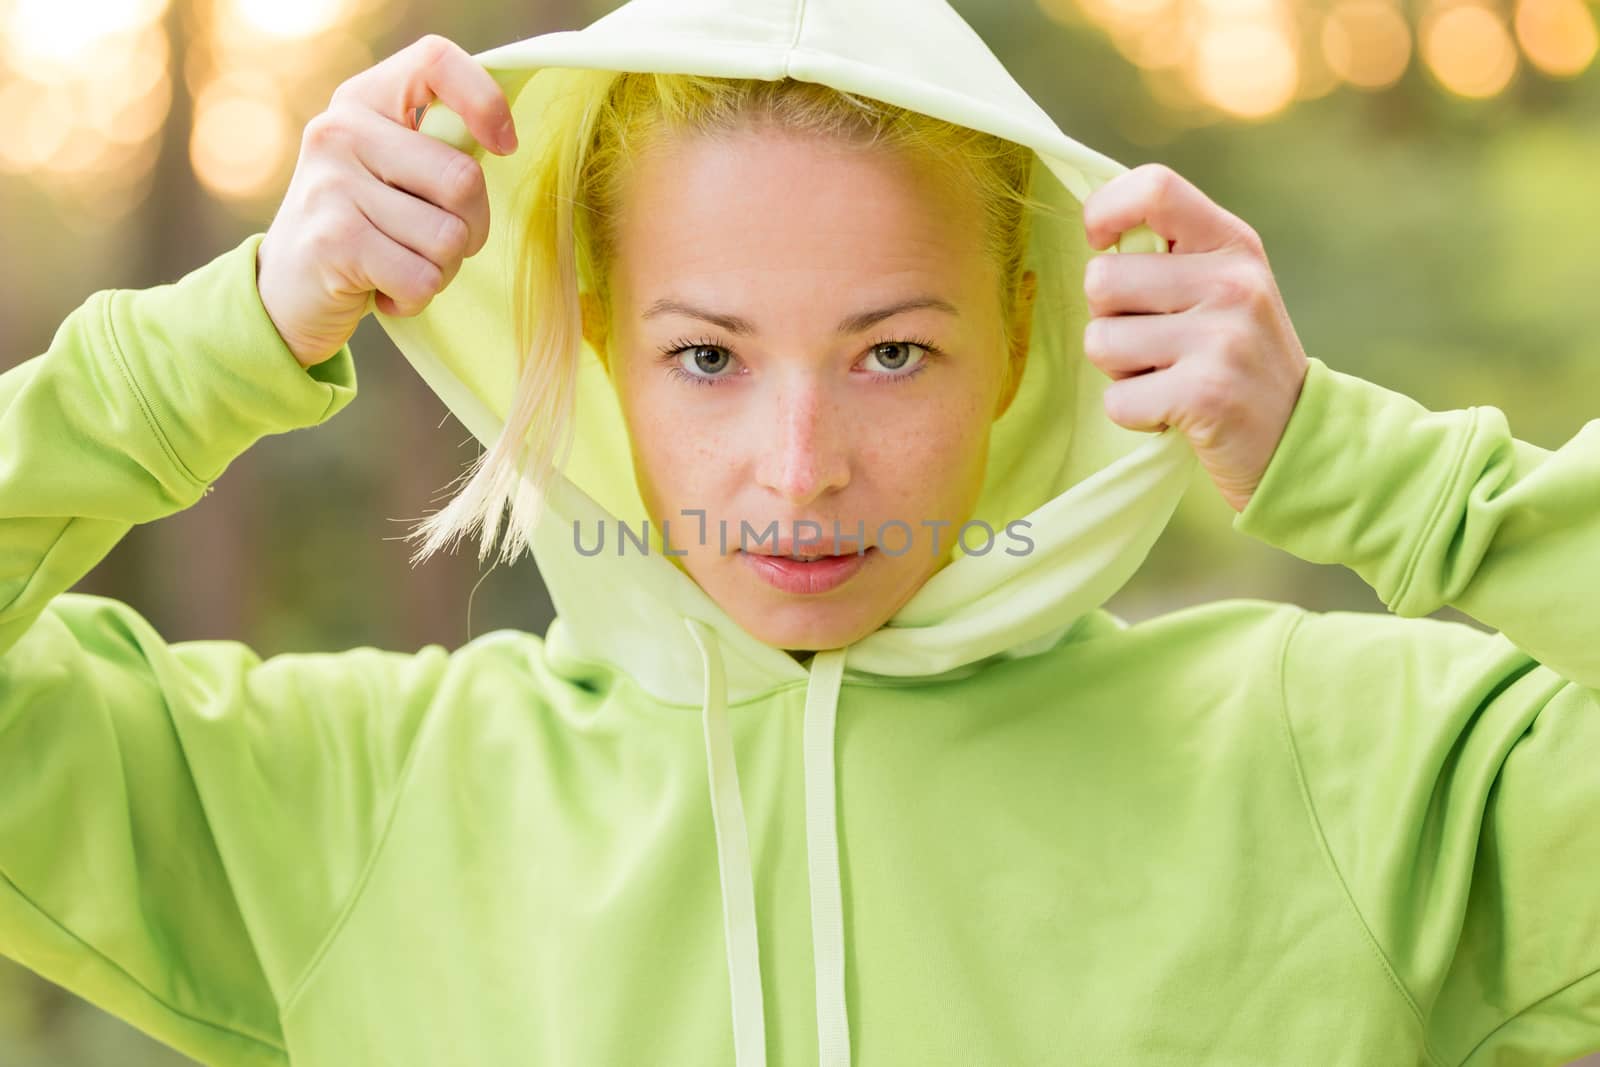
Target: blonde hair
x,y
569,200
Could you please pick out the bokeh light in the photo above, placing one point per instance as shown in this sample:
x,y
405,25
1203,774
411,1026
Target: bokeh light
x,y
88,85
1252,59
240,141
1558,36
39,124
254,91
1366,42
89,88
1469,49
86,94
1247,67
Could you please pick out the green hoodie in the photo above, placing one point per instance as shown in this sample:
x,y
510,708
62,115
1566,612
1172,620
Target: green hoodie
x,y
1007,828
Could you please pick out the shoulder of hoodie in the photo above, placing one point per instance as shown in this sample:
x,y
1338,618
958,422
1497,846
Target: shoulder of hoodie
x,y
1199,652
1287,642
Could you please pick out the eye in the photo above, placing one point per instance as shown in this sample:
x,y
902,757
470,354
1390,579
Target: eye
x,y
702,361
899,358
699,361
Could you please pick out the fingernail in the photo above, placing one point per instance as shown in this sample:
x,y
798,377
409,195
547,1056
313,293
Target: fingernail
x,y
508,137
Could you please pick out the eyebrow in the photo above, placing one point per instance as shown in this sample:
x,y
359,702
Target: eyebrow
x,y
861,320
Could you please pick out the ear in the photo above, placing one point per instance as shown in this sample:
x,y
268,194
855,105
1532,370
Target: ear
x,y
1021,330
595,326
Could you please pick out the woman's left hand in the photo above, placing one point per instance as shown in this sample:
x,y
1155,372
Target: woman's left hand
x,y
1197,338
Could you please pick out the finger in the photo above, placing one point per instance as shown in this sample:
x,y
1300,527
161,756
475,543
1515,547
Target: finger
x,y
1148,403
431,232
387,305
426,168
391,269
1123,346
435,67
1117,283
1157,196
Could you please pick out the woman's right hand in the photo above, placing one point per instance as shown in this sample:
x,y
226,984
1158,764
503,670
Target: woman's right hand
x,y
376,206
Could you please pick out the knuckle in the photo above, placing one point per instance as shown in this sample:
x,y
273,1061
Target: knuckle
x,y
1230,289
320,242
324,185
339,236
1112,400
1091,215
1237,283
1250,240
1097,281
1259,286
426,279
1219,336
479,238
1232,349
1161,171
409,293
1266,284
433,47
323,131
463,180
1163,180
404,300
1094,339
342,92
452,236
1212,387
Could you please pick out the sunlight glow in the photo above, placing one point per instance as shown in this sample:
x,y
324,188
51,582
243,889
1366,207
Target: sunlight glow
x,y
41,38
292,18
1248,69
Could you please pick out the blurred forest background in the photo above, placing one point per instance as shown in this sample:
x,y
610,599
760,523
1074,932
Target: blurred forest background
x,y
1422,172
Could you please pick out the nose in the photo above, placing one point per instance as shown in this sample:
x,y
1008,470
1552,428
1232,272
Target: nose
x,y
803,448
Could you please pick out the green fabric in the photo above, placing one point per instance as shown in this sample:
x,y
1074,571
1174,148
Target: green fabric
x,y
1096,495
1237,833
1007,828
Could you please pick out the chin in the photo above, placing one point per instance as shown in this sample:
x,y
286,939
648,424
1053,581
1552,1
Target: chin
x,y
796,624
792,631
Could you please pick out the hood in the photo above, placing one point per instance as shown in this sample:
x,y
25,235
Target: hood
x,y
1095,495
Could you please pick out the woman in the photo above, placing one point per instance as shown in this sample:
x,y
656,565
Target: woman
x,y
918,802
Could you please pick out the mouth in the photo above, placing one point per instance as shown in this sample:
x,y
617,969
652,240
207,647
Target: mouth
x,y
804,573
809,551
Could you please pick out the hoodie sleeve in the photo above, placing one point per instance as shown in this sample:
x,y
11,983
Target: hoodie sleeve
x,y
1453,774
179,823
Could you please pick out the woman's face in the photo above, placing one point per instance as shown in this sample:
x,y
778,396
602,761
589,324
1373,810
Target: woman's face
x,y
768,381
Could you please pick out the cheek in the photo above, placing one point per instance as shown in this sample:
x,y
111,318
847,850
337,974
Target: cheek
x,y
674,450
932,450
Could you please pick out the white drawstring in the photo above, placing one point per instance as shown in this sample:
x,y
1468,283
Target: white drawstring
x,y
733,859
822,855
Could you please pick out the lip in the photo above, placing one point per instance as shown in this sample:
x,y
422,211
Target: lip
x,y
824,575
820,546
